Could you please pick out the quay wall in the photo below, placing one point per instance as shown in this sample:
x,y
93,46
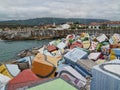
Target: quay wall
x,y
49,34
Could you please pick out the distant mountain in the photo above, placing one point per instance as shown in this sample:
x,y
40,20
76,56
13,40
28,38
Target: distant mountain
x,y
42,21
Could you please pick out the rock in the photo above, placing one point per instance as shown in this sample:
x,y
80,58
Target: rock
x,y
24,53
35,52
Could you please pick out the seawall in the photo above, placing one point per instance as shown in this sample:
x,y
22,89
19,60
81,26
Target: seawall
x,y
48,34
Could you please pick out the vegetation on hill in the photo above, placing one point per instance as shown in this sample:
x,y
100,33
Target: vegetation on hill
x,y
43,21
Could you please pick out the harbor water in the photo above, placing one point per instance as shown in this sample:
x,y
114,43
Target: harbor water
x,y
8,49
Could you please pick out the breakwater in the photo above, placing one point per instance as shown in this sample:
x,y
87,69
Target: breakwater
x,y
48,34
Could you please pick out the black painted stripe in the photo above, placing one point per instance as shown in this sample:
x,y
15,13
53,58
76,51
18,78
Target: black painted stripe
x,y
2,70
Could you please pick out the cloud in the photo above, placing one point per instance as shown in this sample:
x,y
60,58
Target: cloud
x,y
25,9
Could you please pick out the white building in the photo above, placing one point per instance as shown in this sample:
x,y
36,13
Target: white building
x,y
62,27
94,25
113,24
65,26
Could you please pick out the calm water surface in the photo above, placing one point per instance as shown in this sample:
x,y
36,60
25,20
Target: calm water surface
x,y
8,49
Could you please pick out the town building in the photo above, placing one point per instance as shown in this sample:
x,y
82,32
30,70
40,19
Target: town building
x,y
94,25
113,24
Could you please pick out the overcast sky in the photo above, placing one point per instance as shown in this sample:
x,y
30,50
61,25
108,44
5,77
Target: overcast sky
x,y
25,9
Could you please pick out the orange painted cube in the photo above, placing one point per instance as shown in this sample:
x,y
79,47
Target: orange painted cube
x,y
45,66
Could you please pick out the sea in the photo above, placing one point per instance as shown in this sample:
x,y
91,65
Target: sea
x,y
9,49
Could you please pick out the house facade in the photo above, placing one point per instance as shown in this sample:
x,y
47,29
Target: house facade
x,y
113,24
94,25
104,25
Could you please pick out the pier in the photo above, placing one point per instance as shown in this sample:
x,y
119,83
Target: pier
x,y
27,34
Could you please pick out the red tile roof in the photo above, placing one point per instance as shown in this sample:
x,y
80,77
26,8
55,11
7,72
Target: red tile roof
x,y
94,24
112,22
109,22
